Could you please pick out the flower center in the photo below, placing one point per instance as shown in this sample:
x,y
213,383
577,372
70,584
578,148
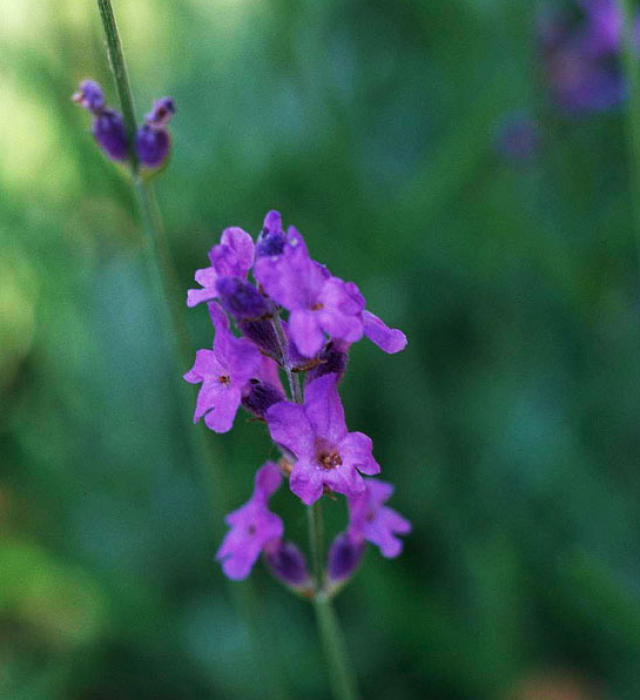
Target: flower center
x,y
224,379
251,530
330,460
318,306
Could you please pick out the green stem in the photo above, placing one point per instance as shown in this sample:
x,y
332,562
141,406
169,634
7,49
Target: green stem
x,y
342,680
316,545
168,291
631,65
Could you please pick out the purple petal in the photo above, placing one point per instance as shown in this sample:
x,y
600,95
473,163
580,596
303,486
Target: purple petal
x,y
391,340
206,364
268,480
324,409
206,278
289,426
220,418
240,243
306,481
357,450
306,332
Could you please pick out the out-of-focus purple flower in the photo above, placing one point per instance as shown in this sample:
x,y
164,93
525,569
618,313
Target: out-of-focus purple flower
x,y
371,520
345,555
581,58
153,142
108,127
316,433
253,526
224,373
232,257
287,563
90,96
517,137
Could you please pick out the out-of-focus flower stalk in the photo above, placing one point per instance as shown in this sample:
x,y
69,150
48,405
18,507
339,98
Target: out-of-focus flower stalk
x,y
631,64
165,281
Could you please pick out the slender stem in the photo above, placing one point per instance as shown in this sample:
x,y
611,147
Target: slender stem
x,y
316,545
165,281
342,680
631,65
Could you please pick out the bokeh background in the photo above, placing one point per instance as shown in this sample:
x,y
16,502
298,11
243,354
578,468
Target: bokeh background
x,y
509,425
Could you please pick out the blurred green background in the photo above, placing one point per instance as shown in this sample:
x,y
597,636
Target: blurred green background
x,y
509,425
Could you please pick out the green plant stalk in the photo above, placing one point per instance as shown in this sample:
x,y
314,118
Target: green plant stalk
x,y
165,281
342,679
631,66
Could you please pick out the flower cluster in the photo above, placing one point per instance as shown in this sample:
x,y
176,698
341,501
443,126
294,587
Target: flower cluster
x,y
581,56
293,318
152,142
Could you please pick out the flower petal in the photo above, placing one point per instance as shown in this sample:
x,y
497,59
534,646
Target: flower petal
x,y
289,426
324,408
391,340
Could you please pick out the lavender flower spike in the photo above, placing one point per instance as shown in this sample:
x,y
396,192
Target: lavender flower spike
x,y
371,520
232,257
153,141
224,373
316,433
253,526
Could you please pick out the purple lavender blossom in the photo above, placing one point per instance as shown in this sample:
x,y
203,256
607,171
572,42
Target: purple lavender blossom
x,y
517,137
224,373
232,257
253,526
371,520
108,127
286,562
317,301
582,60
316,433
153,142
271,239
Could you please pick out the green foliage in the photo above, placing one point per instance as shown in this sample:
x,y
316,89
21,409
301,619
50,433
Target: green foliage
x,y
509,425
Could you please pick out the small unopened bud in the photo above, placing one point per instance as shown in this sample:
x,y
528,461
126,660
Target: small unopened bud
x,y
260,397
241,299
160,115
153,141
332,359
345,555
286,562
109,132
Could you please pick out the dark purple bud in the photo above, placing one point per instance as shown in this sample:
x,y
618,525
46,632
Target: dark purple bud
x,y
241,299
286,562
271,239
152,146
344,557
263,335
90,96
160,115
109,132
261,396
332,359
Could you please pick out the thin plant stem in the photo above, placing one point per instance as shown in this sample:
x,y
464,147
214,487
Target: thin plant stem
x,y
316,544
342,679
165,282
631,65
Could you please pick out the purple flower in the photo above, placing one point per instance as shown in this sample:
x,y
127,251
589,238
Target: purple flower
x,y
318,302
90,96
271,239
224,373
264,389
232,257
153,142
582,61
253,526
345,555
286,562
517,137
327,455
371,520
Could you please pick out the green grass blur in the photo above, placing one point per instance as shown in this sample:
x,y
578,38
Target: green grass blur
x,y
510,425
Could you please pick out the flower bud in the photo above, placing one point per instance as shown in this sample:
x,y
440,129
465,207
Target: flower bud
x,y
332,360
260,397
152,146
109,132
345,555
271,239
90,96
286,562
241,299
160,115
